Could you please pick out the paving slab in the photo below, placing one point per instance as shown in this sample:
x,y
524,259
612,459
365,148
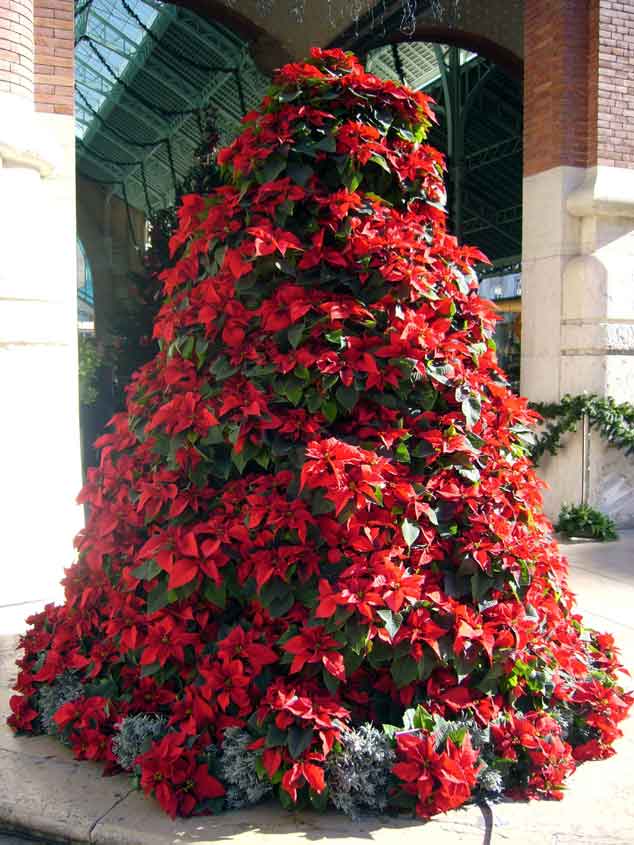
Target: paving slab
x,y
136,822
43,790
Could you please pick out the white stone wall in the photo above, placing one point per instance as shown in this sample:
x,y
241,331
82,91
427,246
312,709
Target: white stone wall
x,y
40,471
578,319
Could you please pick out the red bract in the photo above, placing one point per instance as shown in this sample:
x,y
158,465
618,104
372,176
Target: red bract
x,y
227,683
536,739
439,781
171,773
165,640
314,645
318,508
306,772
22,714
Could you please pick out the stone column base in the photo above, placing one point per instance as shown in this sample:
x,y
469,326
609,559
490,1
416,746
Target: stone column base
x,y
578,319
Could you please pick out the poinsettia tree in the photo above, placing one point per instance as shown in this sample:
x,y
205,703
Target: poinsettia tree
x,y
315,563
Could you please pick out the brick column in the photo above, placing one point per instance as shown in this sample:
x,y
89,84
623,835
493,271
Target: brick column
x,y
54,47
39,430
611,130
16,47
578,242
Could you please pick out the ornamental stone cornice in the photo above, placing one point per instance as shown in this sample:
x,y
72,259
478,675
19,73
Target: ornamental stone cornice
x,y
604,192
23,144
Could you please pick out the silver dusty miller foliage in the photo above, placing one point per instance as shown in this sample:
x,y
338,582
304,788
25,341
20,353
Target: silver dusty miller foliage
x,y
135,735
357,776
236,768
50,697
445,729
490,783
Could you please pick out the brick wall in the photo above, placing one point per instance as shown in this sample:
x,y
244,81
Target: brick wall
x,y
556,84
16,47
54,43
613,59
578,83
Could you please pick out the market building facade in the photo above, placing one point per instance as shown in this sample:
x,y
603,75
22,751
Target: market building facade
x,y
571,225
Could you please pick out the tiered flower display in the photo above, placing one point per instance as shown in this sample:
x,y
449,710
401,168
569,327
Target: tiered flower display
x,y
315,563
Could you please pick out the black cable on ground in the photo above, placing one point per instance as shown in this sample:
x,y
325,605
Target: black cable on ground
x,y
487,812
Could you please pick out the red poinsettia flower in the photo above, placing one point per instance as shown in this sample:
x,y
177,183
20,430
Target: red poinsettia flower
x,y
439,780
314,645
227,683
22,713
301,773
240,645
323,458
165,640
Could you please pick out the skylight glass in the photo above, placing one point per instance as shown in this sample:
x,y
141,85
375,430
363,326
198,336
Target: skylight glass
x,y
105,27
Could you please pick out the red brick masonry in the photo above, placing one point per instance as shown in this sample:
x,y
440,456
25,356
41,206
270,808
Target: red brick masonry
x,y
578,83
54,45
614,61
16,47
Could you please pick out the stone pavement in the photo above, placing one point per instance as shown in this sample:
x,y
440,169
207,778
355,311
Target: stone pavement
x,y
44,791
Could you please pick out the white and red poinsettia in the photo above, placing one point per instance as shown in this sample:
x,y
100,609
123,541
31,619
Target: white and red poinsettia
x,y
318,510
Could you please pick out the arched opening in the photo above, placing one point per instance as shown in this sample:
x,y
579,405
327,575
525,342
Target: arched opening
x,y
479,130
85,292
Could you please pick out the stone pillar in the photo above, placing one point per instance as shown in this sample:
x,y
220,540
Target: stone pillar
x,y
578,238
39,430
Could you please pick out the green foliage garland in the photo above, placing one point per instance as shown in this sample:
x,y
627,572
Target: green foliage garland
x,y
614,421
89,360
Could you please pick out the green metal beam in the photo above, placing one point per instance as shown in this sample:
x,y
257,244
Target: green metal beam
x,y
108,27
114,96
482,221
80,120
130,151
116,172
449,64
81,22
494,152
207,92
121,105
497,111
105,80
139,56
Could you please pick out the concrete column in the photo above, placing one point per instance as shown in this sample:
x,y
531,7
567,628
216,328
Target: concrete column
x,y
578,241
40,471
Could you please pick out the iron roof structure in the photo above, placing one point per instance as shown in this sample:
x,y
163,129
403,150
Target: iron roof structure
x,y
145,74
479,111
146,71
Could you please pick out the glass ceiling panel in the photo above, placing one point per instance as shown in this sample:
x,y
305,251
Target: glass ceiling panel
x,y
113,32
417,62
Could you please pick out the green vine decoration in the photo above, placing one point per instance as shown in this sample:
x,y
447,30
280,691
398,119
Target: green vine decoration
x,y
613,421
